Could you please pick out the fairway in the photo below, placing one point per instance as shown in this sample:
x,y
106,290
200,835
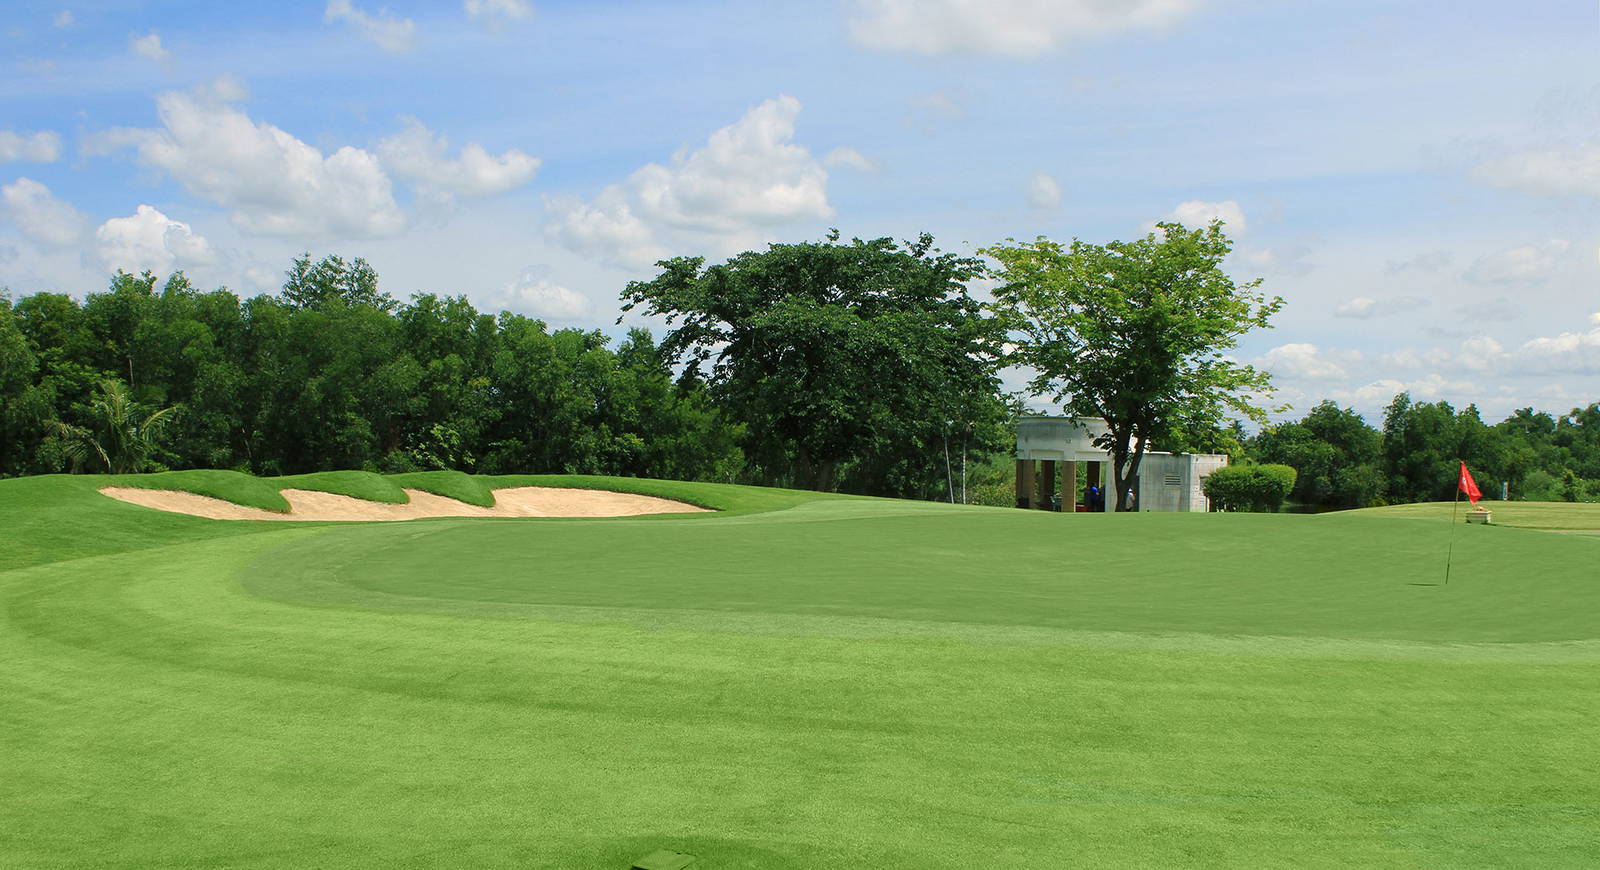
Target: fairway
x,y
795,681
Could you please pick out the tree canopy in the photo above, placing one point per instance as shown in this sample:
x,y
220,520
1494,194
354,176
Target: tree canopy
x,y
1134,332
860,357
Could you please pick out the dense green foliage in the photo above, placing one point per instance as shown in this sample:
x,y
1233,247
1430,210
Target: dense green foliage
x,y
1345,462
332,376
1135,333
851,366
853,363
1252,488
774,688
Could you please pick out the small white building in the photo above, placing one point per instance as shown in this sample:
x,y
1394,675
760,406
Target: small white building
x,y
1166,481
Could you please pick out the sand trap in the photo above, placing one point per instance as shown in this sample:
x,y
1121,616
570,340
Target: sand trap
x,y
308,505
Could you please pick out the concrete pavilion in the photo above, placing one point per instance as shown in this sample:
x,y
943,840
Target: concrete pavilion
x,y
1166,481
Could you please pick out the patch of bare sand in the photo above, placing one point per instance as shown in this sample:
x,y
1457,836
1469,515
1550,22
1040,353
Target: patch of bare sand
x,y
308,505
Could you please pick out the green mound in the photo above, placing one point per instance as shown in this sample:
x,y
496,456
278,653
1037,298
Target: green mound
x,y
450,484
725,498
231,486
1551,515
356,484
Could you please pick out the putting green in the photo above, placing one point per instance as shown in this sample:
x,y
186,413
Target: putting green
x,y
797,683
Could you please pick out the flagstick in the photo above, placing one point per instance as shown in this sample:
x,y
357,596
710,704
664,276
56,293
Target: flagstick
x,y
1451,551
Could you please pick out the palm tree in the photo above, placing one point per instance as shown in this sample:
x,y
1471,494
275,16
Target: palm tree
x,y
119,444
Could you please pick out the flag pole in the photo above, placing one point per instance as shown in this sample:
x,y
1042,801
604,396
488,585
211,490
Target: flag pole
x,y
1449,553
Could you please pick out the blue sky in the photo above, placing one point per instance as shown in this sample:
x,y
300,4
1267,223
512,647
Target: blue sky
x,y
1419,181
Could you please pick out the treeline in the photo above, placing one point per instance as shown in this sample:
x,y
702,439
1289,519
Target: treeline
x,y
332,373
862,366
1344,462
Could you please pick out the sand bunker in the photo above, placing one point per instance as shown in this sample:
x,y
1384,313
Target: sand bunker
x,y
308,505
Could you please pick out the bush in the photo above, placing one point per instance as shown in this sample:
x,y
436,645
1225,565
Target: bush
x,y
1254,488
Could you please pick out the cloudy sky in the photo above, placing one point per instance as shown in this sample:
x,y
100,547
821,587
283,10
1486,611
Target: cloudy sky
x,y
1420,181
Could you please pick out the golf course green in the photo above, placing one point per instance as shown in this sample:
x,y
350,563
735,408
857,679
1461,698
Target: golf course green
x,y
795,681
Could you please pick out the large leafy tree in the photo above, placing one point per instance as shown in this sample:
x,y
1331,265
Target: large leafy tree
x,y
1335,452
834,354
1135,332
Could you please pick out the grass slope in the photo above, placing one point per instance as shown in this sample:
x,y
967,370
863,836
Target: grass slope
x,y
233,486
356,484
799,682
450,484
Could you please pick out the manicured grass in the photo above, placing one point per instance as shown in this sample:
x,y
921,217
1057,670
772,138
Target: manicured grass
x,y
1551,515
450,484
356,484
797,682
234,486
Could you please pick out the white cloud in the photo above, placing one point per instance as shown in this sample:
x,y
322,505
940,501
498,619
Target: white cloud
x,y
1429,388
63,19
43,146
1197,213
150,240
747,177
607,229
421,157
1595,318
149,46
1526,264
1360,308
497,11
1303,360
272,183
1569,352
1044,192
40,216
1006,27
534,294
1481,353
1290,261
1366,307
849,158
393,35
1430,261
1557,171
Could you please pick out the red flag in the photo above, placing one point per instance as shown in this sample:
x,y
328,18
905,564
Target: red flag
x,y
1467,485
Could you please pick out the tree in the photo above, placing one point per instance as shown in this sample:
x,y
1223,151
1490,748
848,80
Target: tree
x,y
120,442
310,285
831,353
1134,332
1335,452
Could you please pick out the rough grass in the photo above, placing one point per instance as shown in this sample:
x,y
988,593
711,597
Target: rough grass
x,y
450,484
356,484
232,486
798,682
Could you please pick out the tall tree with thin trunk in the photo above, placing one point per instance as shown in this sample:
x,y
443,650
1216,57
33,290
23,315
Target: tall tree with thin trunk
x,y
1134,332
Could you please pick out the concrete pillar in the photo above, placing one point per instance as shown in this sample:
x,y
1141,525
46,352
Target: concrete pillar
x,y
1024,483
1069,486
1047,485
